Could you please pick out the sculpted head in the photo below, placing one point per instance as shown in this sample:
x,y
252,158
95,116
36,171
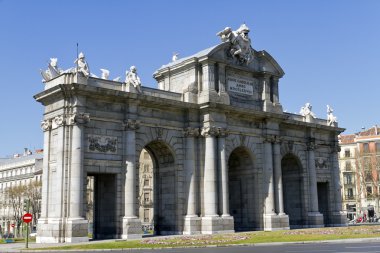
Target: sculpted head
x,y
133,69
53,62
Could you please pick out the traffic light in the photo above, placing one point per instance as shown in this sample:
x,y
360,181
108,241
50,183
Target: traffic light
x,y
26,205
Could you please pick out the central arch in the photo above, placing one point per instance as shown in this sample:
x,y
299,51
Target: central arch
x,y
292,186
164,194
242,189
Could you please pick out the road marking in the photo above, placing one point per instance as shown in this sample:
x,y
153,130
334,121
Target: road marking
x,y
310,251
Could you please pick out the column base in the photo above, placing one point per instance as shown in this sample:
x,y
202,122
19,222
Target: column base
x,y
338,219
315,220
217,225
131,228
273,222
76,230
192,225
56,230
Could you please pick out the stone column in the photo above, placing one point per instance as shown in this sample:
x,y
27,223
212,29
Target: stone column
x,y
278,177
77,225
131,223
192,224
283,219
210,221
223,175
76,172
224,207
46,127
265,96
210,173
268,177
338,217
315,218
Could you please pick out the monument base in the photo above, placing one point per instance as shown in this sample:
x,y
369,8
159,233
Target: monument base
x,y
273,222
338,219
131,228
315,220
56,230
192,225
217,225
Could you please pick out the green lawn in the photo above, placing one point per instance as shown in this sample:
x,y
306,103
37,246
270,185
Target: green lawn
x,y
238,238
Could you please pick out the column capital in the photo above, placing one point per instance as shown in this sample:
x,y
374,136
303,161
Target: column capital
x,y
335,148
58,121
131,124
311,144
78,119
191,132
272,138
209,131
222,132
46,125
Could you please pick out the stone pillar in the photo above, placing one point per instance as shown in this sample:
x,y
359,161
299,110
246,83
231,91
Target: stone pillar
x,y
210,220
276,99
208,92
210,173
278,178
131,223
46,127
338,216
278,190
315,218
268,179
77,225
265,96
227,219
223,175
224,97
192,223
272,221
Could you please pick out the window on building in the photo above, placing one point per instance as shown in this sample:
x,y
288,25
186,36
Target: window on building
x,y
368,176
347,178
347,153
348,165
349,193
365,148
146,197
146,182
369,191
377,147
146,215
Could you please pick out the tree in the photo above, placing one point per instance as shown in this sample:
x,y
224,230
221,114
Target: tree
x,y
15,195
33,193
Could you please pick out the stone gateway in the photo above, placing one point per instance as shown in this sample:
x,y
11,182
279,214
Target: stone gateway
x,y
225,156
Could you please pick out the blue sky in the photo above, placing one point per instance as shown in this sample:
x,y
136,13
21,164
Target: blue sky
x,y
329,50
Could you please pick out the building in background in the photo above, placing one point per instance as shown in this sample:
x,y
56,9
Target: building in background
x,y
146,197
20,178
359,161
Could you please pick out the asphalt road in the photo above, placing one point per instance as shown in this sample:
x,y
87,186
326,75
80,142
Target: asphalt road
x,y
315,247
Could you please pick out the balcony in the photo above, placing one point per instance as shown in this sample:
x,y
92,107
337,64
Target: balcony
x,y
349,197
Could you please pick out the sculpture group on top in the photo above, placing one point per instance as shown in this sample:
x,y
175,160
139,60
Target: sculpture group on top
x,y
82,67
306,111
240,43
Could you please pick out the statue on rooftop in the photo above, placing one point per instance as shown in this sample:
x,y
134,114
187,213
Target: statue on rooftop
x,y
133,79
82,65
52,71
105,74
240,43
306,111
331,119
